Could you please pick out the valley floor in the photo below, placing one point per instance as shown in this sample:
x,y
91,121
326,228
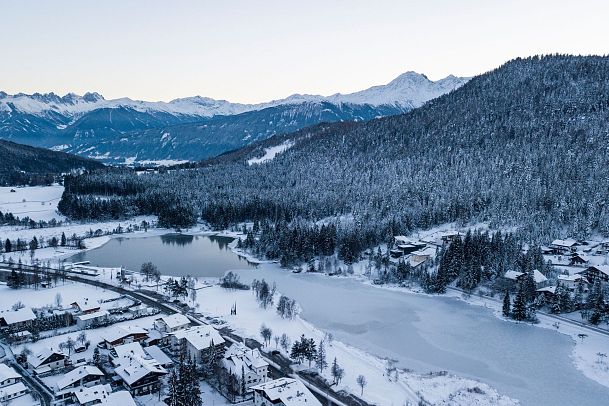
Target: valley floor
x,y
213,301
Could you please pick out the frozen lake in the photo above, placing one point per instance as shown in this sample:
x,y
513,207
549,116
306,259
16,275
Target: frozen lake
x,y
426,333
173,254
422,333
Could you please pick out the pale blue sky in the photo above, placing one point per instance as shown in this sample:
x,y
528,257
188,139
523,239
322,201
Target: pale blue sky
x,y
251,51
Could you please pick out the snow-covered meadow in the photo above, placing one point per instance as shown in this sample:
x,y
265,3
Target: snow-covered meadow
x,y
440,389
35,202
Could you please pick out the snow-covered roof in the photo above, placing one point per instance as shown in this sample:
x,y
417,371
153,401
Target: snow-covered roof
x,y
95,315
402,239
9,391
158,354
570,278
7,373
129,350
551,289
86,306
18,316
239,357
289,391
38,359
175,320
427,251
569,242
122,398
200,337
601,268
92,395
584,257
119,332
538,276
77,374
132,369
416,260
513,275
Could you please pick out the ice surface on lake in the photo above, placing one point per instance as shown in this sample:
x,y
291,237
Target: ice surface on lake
x,y
427,333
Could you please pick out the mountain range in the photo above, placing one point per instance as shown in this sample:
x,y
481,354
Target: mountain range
x,y
523,146
125,131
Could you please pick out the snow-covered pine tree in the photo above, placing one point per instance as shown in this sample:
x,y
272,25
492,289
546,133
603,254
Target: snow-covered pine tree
x,y
506,304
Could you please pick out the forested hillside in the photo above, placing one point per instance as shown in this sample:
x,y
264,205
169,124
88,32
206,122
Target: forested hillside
x,y
25,165
523,145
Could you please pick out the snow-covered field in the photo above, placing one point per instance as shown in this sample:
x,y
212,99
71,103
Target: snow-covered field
x,y
70,292
216,301
35,202
271,153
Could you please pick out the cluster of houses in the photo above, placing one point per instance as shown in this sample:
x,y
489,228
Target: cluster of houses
x,y
137,360
418,253
85,313
11,384
579,262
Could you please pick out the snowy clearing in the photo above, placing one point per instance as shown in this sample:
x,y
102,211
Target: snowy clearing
x,y
271,152
35,202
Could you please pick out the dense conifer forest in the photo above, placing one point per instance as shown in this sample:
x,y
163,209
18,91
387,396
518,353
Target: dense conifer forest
x,y
523,145
25,165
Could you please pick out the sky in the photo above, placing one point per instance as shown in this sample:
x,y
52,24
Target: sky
x,y
253,51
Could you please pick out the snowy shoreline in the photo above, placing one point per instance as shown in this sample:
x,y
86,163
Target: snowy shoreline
x,y
583,353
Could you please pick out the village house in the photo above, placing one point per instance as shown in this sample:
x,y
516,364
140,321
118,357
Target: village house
x,y
572,281
602,248
11,385
117,354
196,341
283,392
120,335
449,237
81,377
8,393
140,376
564,246
246,364
8,376
174,322
539,278
17,320
85,307
87,319
47,360
513,275
578,259
596,273
102,395
546,293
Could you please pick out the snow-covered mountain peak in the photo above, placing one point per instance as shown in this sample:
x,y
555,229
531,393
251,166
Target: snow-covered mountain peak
x,y
92,97
409,90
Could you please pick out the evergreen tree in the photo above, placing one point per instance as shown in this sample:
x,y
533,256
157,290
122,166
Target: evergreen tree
x,y
96,357
519,308
506,304
320,360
